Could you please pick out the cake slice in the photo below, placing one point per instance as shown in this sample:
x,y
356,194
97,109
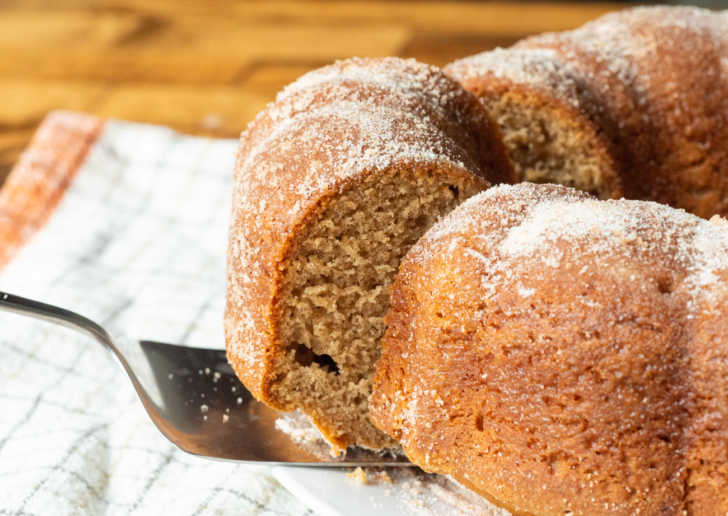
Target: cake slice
x,y
333,183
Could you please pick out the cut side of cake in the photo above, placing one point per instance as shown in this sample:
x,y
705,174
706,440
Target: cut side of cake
x,y
549,119
335,291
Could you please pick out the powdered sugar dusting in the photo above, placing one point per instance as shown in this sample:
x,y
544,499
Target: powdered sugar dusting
x,y
711,255
413,82
300,428
360,128
538,68
689,18
617,53
526,220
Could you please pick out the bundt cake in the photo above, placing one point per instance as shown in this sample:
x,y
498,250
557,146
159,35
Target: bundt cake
x,y
333,183
561,354
556,353
633,104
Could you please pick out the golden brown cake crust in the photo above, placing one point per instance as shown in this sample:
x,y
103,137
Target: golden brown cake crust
x,y
661,75
325,134
559,353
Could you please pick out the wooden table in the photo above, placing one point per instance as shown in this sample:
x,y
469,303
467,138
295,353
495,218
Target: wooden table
x,y
207,67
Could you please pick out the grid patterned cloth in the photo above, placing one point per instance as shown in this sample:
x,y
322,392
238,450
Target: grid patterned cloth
x,y
126,224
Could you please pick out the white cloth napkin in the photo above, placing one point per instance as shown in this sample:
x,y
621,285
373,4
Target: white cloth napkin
x,y
137,243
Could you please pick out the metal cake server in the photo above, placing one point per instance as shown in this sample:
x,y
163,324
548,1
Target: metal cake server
x,y
194,398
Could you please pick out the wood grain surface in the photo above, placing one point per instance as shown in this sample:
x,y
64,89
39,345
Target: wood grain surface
x,y
206,67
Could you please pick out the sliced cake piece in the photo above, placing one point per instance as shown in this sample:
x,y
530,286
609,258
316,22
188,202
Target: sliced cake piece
x,y
333,183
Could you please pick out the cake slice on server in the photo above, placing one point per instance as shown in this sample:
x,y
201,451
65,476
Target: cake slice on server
x,y
334,182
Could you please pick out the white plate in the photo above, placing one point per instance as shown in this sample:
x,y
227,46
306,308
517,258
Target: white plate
x,y
330,492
